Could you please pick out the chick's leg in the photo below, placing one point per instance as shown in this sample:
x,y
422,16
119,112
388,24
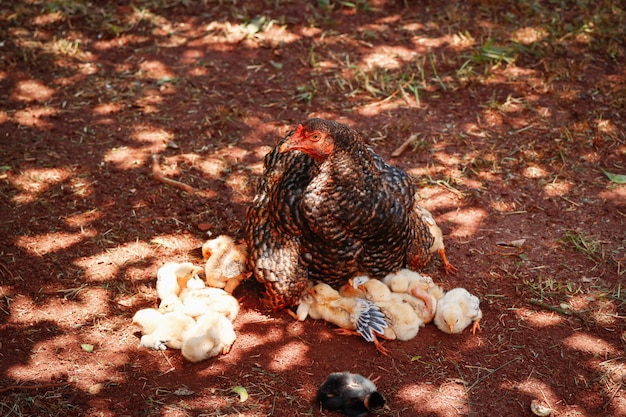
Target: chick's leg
x,y
377,343
476,326
450,269
426,298
380,347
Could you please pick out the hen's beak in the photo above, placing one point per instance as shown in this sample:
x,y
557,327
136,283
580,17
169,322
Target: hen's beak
x,y
293,141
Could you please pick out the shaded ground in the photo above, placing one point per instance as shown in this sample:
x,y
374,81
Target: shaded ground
x,y
516,111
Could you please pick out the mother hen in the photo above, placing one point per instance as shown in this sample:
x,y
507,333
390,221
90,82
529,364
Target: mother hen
x,y
328,208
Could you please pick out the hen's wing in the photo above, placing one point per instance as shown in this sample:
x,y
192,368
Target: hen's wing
x,y
274,227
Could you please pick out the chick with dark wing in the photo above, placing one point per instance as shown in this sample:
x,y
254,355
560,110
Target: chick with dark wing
x,y
370,319
351,394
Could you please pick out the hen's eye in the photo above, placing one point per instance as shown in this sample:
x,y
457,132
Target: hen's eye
x,y
315,137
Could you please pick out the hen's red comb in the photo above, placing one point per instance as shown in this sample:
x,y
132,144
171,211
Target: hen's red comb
x,y
300,129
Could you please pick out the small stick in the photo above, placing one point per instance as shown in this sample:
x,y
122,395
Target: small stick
x,y
53,384
158,175
404,145
551,308
565,312
6,269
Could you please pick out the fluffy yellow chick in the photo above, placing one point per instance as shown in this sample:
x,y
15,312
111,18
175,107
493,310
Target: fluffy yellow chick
x,y
419,286
353,314
403,322
160,331
226,263
172,278
457,310
197,301
211,335
437,245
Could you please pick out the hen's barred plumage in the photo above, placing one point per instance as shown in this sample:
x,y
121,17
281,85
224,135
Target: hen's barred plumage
x,y
328,208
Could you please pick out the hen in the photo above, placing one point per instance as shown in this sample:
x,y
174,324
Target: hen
x,y
328,208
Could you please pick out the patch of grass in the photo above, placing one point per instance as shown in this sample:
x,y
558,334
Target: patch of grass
x,y
37,403
585,244
552,288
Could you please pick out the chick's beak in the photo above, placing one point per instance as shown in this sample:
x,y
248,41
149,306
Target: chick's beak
x,y
451,327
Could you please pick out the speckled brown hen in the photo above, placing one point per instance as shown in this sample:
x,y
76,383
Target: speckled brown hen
x,y
329,208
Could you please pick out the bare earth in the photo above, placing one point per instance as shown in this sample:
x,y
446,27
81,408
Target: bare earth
x,y
514,114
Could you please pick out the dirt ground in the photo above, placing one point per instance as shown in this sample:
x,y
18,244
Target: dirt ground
x,y
514,114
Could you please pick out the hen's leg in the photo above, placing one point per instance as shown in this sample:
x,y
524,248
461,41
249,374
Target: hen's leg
x,y
450,269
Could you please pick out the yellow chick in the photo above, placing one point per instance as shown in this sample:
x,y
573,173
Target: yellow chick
x,y
211,335
353,314
403,322
419,286
160,331
197,301
226,263
457,310
437,245
172,278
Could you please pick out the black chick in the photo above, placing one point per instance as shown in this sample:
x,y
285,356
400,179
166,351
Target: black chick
x,y
351,394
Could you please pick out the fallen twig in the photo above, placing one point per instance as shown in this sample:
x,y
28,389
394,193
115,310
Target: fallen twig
x,y
7,270
564,311
50,385
404,145
158,175
550,307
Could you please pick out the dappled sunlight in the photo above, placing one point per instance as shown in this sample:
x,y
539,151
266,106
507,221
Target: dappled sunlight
x,y
540,319
536,389
289,356
155,139
529,34
372,109
446,400
40,245
557,188
31,90
48,19
127,158
156,70
35,181
534,171
445,158
106,109
175,241
103,266
35,116
590,344
614,194
466,221
388,57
